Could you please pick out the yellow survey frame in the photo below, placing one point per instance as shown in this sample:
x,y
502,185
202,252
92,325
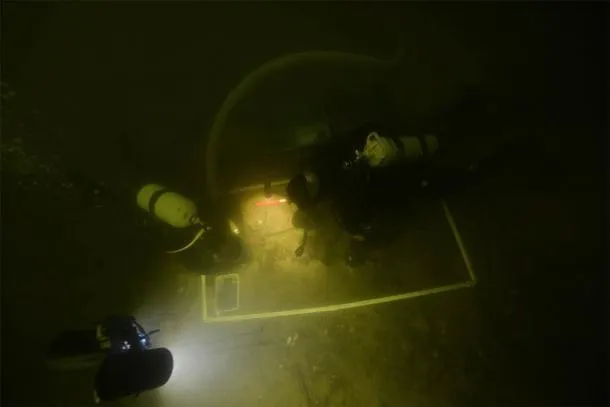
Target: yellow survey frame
x,y
356,304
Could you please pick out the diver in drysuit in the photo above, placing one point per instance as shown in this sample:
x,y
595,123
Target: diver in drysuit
x,y
342,174
372,175
130,366
121,351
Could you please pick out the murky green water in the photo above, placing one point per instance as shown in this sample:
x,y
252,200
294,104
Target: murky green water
x,y
121,95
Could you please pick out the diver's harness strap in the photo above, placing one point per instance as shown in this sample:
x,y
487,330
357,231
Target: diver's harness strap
x,y
425,149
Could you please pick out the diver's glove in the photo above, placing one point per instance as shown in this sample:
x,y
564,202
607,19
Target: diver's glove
x,y
300,250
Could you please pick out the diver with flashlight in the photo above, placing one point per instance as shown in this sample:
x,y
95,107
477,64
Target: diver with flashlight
x,y
122,354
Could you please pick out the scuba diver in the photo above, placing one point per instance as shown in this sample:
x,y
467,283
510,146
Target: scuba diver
x,y
204,245
343,174
372,176
122,353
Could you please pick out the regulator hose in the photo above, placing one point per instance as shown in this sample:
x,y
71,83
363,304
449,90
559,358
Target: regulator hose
x,y
189,244
260,73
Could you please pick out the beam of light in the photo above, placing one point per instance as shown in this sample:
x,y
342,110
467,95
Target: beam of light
x,y
193,368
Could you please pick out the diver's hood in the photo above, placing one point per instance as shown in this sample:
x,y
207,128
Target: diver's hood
x,y
131,373
312,183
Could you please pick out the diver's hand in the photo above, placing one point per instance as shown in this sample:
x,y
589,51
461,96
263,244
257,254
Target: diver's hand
x,y
300,250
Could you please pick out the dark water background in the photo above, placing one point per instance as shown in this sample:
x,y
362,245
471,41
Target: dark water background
x,y
108,96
